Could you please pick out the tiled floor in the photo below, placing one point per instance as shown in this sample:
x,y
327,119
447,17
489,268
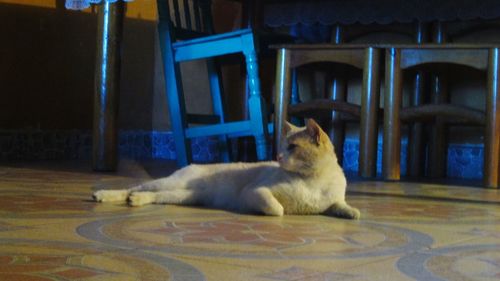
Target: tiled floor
x,y
50,230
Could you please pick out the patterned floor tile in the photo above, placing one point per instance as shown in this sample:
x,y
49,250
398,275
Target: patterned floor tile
x,y
51,230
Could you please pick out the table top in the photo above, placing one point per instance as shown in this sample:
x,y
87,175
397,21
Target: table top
x,y
287,13
84,4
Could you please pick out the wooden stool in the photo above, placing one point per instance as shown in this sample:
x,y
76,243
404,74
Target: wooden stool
x,y
482,57
360,56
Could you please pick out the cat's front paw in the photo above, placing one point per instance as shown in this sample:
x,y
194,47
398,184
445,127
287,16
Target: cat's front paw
x,y
141,198
342,210
110,195
353,214
274,210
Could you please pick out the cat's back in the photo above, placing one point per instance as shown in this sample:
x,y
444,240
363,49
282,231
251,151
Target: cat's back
x,y
217,167
228,173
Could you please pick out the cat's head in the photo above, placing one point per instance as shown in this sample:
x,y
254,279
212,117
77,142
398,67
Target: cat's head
x,y
305,150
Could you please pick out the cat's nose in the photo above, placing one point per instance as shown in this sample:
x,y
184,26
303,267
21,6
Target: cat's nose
x,y
279,157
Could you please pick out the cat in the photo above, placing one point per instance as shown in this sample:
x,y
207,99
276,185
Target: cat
x,y
306,179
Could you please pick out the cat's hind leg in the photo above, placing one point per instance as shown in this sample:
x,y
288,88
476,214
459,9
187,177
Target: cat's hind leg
x,y
343,210
178,197
121,195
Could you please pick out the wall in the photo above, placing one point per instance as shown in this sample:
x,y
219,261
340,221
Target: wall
x,y
47,58
47,62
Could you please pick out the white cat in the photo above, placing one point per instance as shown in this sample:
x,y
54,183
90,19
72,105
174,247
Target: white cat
x,y
306,179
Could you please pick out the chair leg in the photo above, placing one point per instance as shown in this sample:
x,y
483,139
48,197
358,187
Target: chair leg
x,y
177,112
392,124
281,96
492,134
215,82
369,109
256,104
416,148
175,98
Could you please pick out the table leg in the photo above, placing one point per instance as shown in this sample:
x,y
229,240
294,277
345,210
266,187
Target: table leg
x,y
438,152
337,91
416,142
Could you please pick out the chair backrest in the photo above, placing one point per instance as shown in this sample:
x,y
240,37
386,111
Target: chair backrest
x,y
187,18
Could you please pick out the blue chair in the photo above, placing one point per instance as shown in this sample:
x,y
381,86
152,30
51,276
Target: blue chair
x,y
191,37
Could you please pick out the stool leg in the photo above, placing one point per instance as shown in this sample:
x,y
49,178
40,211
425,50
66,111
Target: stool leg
x,y
337,89
369,110
392,124
281,96
215,82
492,134
255,102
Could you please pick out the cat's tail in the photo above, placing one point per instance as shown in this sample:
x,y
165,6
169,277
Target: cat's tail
x,y
343,210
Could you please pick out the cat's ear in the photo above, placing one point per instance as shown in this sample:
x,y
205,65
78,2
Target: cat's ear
x,y
313,130
288,127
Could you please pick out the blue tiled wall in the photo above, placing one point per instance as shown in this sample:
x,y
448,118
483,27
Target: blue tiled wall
x,y
464,160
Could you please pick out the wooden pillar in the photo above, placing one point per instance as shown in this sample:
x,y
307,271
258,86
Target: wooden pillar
x,y
392,106
107,86
438,138
492,130
416,144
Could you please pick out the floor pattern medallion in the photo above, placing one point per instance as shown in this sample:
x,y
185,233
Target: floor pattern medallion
x,y
255,236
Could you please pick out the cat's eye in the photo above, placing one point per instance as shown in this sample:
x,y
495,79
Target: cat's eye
x,y
291,147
